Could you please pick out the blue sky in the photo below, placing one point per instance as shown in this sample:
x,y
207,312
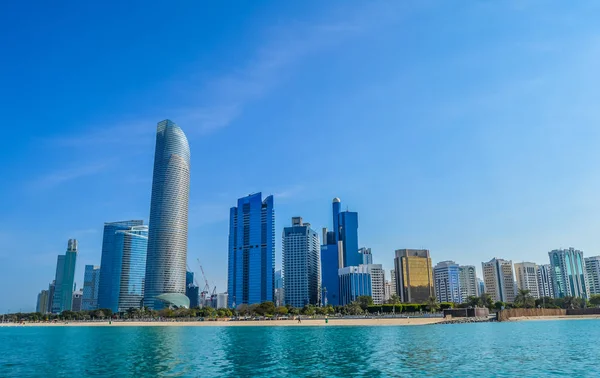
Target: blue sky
x,y
469,128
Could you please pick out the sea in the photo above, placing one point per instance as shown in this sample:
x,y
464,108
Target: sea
x,y
512,349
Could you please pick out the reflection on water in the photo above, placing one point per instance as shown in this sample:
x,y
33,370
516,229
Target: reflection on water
x,y
506,349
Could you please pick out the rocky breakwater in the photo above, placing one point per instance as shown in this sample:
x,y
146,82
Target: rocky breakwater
x,y
467,320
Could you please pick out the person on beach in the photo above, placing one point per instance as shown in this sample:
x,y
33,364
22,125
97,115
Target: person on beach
x,y
299,321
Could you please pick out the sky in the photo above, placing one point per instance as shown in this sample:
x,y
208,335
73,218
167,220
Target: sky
x,y
467,128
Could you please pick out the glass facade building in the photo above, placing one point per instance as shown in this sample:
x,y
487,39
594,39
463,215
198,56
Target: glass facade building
x,y
367,257
355,281
168,234
113,261
91,285
192,291
414,275
446,278
339,250
568,273
279,292
65,279
301,264
251,263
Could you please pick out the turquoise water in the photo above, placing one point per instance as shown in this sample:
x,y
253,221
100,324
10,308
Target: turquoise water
x,y
532,349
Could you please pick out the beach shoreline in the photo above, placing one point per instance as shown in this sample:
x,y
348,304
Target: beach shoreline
x,y
332,322
553,317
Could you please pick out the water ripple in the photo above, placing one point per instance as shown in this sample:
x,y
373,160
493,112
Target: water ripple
x,y
525,349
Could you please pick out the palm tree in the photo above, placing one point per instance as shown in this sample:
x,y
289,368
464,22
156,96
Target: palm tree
x,y
432,304
486,300
524,299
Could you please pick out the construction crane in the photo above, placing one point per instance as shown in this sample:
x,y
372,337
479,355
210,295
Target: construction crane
x,y
206,291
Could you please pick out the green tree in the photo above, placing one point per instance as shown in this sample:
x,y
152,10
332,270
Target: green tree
x,y
524,299
432,304
267,308
394,299
243,309
364,301
308,310
571,302
595,299
486,301
545,302
255,309
499,305
281,311
474,301
166,313
354,308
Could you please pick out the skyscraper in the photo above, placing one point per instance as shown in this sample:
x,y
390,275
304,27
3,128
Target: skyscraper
x,y
414,275
393,289
377,282
446,277
592,267
77,298
568,273
527,277
499,280
123,265
51,290
65,279
42,302
301,264
91,284
367,257
480,286
387,289
279,292
355,281
339,250
545,284
467,276
192,291
167,238
251,269
348,229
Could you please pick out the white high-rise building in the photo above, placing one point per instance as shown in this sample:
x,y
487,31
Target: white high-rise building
x,y
387,291
446,281
468,282
301,265
544,279
221,300
377,283
592,267
527,277
499,280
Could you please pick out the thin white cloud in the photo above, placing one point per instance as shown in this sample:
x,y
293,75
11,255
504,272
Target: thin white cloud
x,y
288,193
216,103
61,176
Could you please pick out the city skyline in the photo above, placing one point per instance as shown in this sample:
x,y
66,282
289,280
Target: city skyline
x,y
484,116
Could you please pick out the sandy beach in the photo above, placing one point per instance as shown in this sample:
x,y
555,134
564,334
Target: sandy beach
x,y
264,323
558,317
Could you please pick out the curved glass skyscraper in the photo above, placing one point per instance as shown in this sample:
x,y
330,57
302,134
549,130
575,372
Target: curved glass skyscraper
x,y
167,238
